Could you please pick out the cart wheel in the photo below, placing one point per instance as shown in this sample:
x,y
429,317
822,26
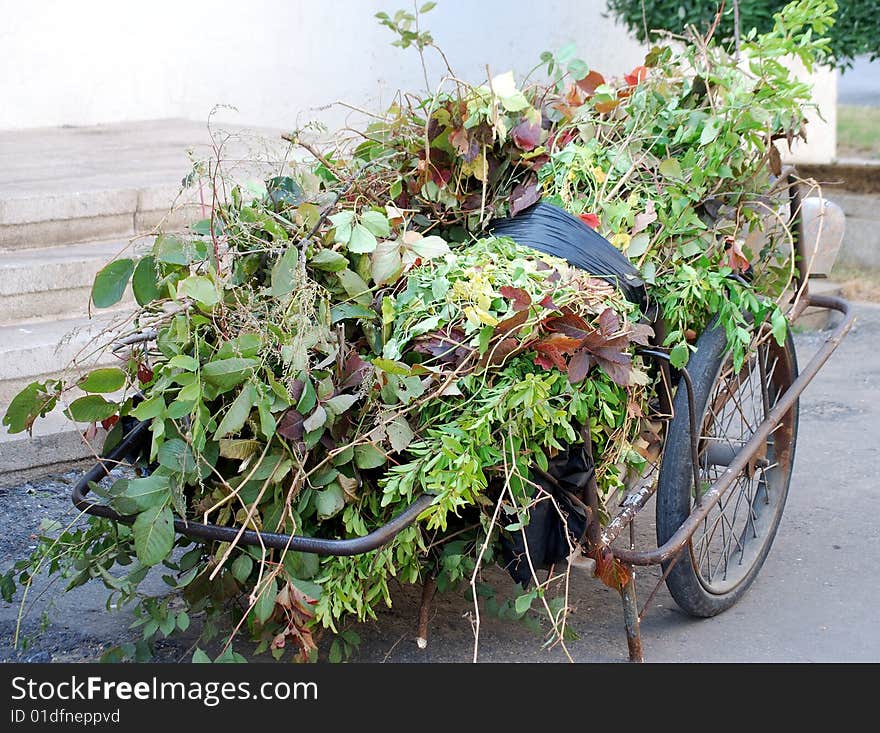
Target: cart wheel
x,y
726,552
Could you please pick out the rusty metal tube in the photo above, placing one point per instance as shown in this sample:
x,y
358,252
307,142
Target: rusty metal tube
x,y
713,495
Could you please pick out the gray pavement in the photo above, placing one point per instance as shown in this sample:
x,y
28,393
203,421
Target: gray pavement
x,y
815,599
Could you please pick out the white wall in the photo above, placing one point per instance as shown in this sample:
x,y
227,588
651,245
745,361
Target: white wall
x,y
65,62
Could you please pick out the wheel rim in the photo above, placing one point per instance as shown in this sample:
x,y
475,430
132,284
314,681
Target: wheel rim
x,y
732,538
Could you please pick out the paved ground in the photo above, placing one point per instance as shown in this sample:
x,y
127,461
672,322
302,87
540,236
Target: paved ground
x,y
815,599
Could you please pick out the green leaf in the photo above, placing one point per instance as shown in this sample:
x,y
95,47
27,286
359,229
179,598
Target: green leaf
x,y
399,433
524,602
368,456
710,131
670,168
638,245
176,456
430,247
104,380
110,283
301,564
316,420
284,273
175,251
329,501
199,657
427,6
308,399
238,412
386,263
779,326
228,373
679,355
343,222
362,240
351,310
328,260
246,345
153,532
340,403
149,408
183,620
241,567
145,281
265,605
201,289
91,408
376,223
29,404
355,287
140,494
184,361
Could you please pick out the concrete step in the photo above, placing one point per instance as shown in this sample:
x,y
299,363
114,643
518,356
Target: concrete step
x,y
45,283
72,184
56,444
50,349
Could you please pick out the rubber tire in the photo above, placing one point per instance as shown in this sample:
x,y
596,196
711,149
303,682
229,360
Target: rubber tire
x,y
674,491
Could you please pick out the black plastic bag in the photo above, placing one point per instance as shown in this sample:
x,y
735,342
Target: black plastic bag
x,y
554,231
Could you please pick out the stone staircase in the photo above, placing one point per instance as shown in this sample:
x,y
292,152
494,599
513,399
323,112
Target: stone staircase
x,y
71,199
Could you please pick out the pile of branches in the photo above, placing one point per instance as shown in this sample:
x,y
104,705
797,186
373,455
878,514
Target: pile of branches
x,y
351,335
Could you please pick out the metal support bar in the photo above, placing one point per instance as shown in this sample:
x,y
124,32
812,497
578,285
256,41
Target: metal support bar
x,y
631,619
273,540
713,495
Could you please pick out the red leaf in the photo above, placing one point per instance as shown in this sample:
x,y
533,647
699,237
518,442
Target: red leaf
x,y
521,299
579,366
524,195
553,349
109,422
145,374
543,361
526,135
448,346
591,220
636,76
353,371
547,302
571,325
590,82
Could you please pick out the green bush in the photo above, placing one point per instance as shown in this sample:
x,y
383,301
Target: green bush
x,y
856,30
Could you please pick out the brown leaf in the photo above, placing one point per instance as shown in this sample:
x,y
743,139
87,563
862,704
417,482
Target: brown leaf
x,y
447,345
590,82
498,353
579,366
524,195
513,323
459,140
609,323
520,297
641,333
775,160
610,570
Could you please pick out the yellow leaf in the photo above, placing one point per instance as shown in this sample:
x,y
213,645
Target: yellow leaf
x,y
621,240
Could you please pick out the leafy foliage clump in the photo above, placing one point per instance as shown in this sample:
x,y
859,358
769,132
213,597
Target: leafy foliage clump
x,y
349,336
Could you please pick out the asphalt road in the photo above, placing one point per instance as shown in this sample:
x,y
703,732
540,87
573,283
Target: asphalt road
x,y
815,599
